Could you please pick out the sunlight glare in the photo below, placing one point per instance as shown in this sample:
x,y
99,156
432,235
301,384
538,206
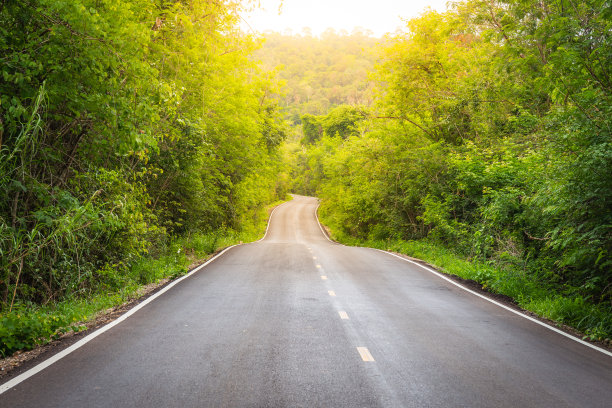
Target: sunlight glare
x,y
379,17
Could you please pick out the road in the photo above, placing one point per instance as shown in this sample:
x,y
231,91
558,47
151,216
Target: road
x,y
295,320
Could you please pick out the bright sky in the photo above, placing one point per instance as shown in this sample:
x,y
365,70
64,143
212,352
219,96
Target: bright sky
x,y
379,16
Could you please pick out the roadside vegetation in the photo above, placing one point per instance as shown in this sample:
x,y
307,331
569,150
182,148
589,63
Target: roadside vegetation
x,y
29,325
487,153
133,136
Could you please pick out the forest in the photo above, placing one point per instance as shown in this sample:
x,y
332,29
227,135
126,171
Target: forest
x,y
137,137
319,73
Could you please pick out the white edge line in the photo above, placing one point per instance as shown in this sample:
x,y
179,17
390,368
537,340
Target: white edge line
x,y
438,274
561,332
36,369
319,222
270,219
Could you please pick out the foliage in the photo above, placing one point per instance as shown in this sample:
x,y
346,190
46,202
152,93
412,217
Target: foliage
x,y
23,329
320,72
124,125
342,121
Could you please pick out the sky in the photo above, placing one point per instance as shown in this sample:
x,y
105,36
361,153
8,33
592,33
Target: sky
x,y
378,16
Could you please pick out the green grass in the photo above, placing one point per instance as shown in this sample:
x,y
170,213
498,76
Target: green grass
x,y
594,321
29,325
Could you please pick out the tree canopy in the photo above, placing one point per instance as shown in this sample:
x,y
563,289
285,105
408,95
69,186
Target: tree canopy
x,y
320,73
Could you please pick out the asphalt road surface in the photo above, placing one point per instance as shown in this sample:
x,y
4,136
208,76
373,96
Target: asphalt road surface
x,y
298,321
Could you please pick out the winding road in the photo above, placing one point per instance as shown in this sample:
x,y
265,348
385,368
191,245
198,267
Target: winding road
x,y
295,320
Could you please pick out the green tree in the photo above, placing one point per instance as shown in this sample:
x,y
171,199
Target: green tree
x,y
124,124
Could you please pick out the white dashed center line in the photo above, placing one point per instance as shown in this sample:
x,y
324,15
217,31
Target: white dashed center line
x,y
343,315
331,293
323,277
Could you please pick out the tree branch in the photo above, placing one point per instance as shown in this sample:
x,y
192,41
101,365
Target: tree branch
x,y
409,121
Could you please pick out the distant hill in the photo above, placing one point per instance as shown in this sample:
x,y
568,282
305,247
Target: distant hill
x,y
321,72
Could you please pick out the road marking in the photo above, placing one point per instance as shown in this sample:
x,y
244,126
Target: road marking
x,y
331,293
318,266
561,332
343,315
323,277
270,220
38,368
365,354
314,257
319,222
